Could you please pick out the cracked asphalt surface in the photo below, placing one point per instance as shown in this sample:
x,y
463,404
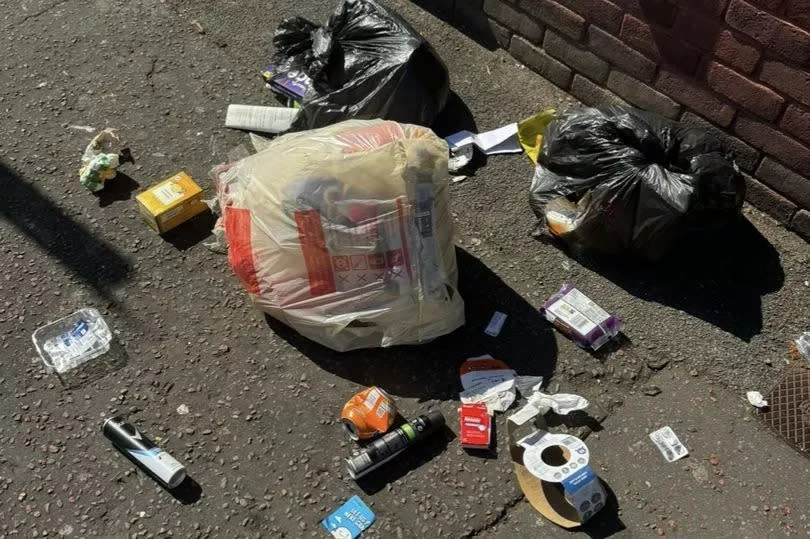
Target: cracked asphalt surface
x,y
260,439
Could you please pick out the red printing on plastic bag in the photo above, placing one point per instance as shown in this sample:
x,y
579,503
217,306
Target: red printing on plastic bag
x,y
316,255
240,249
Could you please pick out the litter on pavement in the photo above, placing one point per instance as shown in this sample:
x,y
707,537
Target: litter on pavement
x,y
552,469
345,234
668,444
100,160
367,62
73,340
531,130
495,325
171,202
290,85
388,446
488,381
756,399
578,317
801,347
264,119
349,520
143,451
369,413
634,194
475,426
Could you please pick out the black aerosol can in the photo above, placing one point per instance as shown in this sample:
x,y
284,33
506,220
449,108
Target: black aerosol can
x,y
142,450
392,444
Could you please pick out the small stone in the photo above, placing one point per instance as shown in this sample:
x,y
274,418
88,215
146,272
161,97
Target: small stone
x,y
713,460
224,348
767,361
657,363
652,390
693,372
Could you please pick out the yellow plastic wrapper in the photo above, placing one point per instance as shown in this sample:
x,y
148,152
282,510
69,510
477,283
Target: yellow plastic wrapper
x,y
344,233
530,132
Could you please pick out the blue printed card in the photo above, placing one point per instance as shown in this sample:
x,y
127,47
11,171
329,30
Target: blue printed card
x,y
349,520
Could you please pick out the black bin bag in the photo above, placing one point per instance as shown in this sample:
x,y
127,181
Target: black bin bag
x,y
623,181
366,63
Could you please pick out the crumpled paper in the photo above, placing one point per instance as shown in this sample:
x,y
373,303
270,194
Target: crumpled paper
x,y
540,403
100,161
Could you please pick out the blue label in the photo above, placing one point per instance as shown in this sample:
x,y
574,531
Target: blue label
x,y
349,520
579,479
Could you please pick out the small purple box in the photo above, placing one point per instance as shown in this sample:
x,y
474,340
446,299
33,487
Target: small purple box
x,y
293,84
585,322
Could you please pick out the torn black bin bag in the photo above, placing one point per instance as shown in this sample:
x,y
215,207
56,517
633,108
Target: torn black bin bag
x,y
624,181
367,62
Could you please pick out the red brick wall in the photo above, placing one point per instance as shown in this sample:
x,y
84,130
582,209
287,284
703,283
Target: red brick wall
x,y
740,68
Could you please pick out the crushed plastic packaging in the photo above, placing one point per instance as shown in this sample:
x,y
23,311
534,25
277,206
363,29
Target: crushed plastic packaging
x,y
100,160
365,63
755,398
623,181
345,234
802,346
530,132
73,340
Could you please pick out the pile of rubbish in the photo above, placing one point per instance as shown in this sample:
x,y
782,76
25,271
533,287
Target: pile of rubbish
x,y
340,227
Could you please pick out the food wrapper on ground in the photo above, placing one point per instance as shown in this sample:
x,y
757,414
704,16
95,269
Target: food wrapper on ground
x,y
365,63
344,233
623,181
100,161
578,317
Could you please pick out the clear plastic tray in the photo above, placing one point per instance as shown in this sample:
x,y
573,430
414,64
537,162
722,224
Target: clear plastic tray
x,y
73,340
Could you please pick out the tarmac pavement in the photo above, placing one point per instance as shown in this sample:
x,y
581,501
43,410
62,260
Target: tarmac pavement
x,y
261,440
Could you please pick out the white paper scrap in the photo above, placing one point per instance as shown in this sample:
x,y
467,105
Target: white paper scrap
x,y
561,403
668,444
497,398
256,118
527,385
756,399
459,158
501,140
493,387
495,324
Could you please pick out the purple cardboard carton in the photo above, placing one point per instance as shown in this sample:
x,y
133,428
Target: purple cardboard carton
x,y
577,316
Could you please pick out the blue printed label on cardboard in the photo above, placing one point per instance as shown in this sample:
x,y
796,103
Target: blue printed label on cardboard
x,y
349,520
579,479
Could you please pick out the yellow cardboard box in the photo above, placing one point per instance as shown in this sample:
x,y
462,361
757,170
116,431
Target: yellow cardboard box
x,y
171,202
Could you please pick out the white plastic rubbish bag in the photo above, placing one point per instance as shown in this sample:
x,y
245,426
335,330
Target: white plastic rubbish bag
x,y
344,233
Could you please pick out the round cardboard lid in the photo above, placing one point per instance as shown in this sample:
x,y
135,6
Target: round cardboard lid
x,y
575,451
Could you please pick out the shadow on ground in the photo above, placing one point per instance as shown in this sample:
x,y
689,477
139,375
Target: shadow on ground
x,y
117,189
75,247
410,459
430,371
719,278
466,16
192,232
